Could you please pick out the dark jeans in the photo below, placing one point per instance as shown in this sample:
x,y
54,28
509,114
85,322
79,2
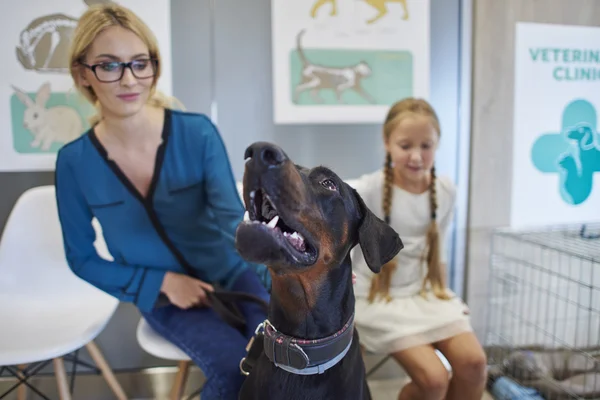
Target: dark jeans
x,y
214,346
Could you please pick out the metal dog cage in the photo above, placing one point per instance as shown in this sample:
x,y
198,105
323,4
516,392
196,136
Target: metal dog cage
x,y
542,335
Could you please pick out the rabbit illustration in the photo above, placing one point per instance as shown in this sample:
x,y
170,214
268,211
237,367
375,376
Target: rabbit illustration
x,y
60,124
44,43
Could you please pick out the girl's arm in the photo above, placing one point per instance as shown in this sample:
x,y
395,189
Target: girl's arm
x,y
444,226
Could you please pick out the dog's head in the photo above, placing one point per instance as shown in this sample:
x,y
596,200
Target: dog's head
x,y
301,217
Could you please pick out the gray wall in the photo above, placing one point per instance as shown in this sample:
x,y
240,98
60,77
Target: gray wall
x,y
492,126
217,59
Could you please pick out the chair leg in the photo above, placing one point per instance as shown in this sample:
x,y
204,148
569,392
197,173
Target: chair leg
x,y
107,373
22,390
61,379
180,380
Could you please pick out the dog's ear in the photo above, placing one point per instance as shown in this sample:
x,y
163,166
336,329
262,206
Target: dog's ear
x,y
378,241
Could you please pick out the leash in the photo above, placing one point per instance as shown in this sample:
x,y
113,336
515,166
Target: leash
x,y
224,303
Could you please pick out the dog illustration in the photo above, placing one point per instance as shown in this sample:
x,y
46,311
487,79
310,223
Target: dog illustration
x,y
379,5
316,77
44,43
48,125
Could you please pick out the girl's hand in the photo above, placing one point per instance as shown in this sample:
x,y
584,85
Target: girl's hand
x,y
353,278
184,291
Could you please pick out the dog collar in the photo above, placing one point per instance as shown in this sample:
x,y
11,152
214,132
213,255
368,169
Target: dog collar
x,y
307,357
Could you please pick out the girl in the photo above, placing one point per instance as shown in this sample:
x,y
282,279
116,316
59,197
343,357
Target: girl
x,y
406,310
159,182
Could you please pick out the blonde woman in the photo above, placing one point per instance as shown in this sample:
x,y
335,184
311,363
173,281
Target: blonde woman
x,y
160,183
406,310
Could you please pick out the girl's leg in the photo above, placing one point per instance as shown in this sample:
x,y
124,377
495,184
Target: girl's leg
x,y
468,361
215,347
429,377
248,282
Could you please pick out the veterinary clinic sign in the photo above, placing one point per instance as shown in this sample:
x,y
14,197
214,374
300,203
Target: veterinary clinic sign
x,y
556,145
347,61
40,109
569,64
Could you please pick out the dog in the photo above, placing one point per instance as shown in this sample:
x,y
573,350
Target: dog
x,y
302,224
316,77
379,5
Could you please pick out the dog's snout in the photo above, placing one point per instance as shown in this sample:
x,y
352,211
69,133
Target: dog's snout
x,y
266,153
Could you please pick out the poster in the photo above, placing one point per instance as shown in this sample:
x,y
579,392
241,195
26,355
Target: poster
x,y
347,61
40,109
556,146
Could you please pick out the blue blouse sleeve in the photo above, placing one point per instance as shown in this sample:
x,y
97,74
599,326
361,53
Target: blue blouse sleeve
x,y
222,194
128,283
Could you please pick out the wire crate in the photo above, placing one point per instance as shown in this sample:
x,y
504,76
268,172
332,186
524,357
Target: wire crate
x,y
543,317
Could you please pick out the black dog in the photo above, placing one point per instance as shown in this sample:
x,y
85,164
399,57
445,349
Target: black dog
x,y
303,224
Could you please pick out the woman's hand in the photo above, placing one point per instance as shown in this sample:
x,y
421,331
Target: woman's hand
x,y
184,291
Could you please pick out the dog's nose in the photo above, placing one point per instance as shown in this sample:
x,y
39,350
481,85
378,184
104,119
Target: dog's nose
x,y
265,153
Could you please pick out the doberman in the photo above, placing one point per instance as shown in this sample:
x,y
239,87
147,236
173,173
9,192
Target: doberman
x,y
302,224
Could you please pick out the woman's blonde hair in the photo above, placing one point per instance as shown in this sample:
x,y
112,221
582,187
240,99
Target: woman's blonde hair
x,y
380,284
94,21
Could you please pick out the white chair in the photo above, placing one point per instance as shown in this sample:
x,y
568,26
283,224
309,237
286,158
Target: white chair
x,y
158,346
47,312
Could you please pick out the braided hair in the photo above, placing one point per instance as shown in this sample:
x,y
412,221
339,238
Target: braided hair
x,y
381,282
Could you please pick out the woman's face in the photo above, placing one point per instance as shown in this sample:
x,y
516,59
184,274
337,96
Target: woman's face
x,y
412,146
128,95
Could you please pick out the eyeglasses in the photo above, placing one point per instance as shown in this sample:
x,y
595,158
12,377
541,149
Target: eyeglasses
x,y
112,71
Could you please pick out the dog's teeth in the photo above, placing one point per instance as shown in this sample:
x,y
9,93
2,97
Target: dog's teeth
x,y
296,235
273,222
252,194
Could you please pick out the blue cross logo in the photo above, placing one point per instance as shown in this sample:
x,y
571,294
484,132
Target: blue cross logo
x,y
573,153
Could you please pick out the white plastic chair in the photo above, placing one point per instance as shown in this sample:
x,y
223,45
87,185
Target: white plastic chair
x,y
47,312
158,346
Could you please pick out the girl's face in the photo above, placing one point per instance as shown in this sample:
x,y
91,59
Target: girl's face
x,y
128,95
412,145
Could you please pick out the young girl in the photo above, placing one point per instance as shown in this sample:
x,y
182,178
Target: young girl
x,y
159,182
406,310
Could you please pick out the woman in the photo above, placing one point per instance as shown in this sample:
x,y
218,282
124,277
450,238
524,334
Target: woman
x,y
406,310
159,182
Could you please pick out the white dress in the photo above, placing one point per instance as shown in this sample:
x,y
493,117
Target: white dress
x,y
409,319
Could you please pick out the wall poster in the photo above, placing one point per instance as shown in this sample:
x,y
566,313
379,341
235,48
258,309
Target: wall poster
x,y
40,110
556,144
347,61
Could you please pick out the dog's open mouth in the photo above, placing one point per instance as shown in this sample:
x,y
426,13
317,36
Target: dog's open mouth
x,y
266,218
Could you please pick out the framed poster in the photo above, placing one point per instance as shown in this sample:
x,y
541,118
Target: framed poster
x,y
347,61
40,109
556,145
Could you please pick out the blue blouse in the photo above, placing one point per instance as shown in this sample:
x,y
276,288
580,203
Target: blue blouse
x,y
186,222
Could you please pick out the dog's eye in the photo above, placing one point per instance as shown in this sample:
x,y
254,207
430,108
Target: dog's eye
x,y
329,184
